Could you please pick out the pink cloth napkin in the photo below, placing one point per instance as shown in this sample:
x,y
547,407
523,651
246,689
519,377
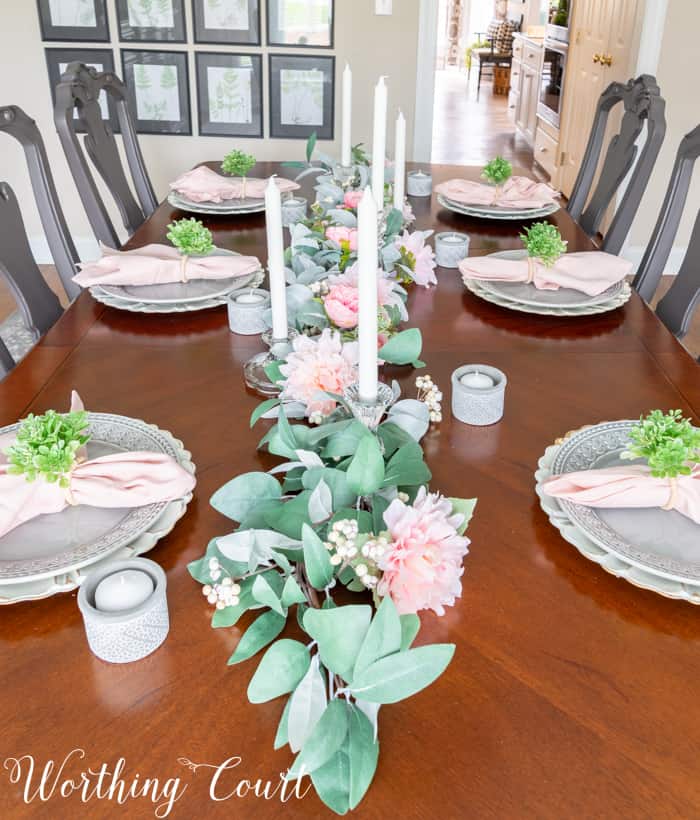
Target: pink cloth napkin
x,y
159,265
516,192
632,486
204,185
121,480
591,272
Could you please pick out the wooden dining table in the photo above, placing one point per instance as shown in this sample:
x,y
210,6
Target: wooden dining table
x,y
572,693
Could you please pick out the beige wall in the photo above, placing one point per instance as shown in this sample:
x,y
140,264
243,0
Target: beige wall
x,y
373,45
676,74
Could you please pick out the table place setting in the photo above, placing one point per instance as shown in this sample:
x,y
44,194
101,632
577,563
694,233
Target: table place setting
x,y
546,280
81,487
626,494
501,196
192,275
202,190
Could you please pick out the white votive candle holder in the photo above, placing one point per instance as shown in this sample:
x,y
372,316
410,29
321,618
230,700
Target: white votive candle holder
x,y
478,393
293,210
451,248
135,621
419,183
246,311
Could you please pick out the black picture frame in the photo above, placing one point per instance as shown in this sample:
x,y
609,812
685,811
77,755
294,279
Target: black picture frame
x,y
209,124
56,58
54,32
131,60
130,31
282,125
205,33
275,37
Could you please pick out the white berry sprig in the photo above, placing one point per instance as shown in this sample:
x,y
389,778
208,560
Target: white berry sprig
x,y
223,594
342,544
431,395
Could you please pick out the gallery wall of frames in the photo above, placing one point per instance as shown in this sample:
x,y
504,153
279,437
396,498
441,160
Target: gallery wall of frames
x,y
250,56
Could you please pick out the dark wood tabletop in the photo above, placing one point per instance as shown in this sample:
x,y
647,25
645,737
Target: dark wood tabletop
x,y
572,694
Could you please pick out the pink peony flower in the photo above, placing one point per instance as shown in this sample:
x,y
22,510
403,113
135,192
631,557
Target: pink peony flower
x,y
422,255
423,565
340,234
323,363
341,304
352,199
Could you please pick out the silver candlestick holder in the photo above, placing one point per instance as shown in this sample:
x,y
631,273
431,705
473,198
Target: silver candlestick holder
x,y
254,371
347,176
370,413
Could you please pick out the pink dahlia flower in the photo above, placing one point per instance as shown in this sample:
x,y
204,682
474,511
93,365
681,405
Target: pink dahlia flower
x,y
340,234
320,364
352,199
424,264
422,567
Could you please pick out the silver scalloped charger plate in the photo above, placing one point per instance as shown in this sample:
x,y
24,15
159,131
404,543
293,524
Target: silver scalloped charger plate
x,y
662,542
247,205
55,548
525,293
593,552
498,213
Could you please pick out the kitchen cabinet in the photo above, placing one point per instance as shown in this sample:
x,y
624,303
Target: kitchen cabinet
x,y
525,83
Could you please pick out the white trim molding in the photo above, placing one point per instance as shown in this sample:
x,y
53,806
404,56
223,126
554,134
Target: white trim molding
x,y
425,80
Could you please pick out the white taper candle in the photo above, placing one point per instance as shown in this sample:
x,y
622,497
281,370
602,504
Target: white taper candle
x,y
379,143
368,262
346,144
275,260
400,162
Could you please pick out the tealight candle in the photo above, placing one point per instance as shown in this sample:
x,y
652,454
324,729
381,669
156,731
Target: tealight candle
x,y
418,183
123,590
476,380
247,312
451,248
251,298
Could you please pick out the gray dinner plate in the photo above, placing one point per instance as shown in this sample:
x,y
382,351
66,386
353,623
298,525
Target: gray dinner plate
x,y
245,205
480,212
663,542
80,535
528,294
195,290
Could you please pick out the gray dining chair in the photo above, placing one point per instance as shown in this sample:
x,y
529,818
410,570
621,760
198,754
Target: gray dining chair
x,y
16,123
37,304
677,307
642,103
78,94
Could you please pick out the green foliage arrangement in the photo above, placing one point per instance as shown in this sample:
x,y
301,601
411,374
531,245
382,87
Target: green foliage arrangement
x,y
359,155
543,241
497,171
46,446
667,442
237,163
190,237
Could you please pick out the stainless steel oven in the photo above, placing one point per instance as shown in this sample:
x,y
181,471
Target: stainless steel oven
x,y
552,80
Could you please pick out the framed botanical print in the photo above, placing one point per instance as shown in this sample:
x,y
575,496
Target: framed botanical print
x,y
74,20
307,23
231,22
158,88
229,94
152,21
301,96
101,59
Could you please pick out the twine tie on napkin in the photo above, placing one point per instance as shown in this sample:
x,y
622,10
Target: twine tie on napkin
x,y
531,270
670,504
70,498
183,268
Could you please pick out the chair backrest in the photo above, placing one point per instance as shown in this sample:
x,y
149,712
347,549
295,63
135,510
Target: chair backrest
x,y
15,122
6,360
78,92
642,103
37,303
655,257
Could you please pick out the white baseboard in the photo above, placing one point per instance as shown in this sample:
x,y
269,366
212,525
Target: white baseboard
x,y
635,253
86,246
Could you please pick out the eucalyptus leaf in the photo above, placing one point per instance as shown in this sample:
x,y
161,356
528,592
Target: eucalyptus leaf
x,y
339,634
308,703
407,467
383,636
263,593
465,507
281,738
332,782
410,624
402,348
343,217
371,710
337,481
325,739
261,409
320,503
280,670
366,470
412,416
238,496
264,629
316,559
363,753
290,517
292,594
401,675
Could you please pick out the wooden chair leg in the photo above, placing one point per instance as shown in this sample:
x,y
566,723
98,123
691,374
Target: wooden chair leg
x,y
478,82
